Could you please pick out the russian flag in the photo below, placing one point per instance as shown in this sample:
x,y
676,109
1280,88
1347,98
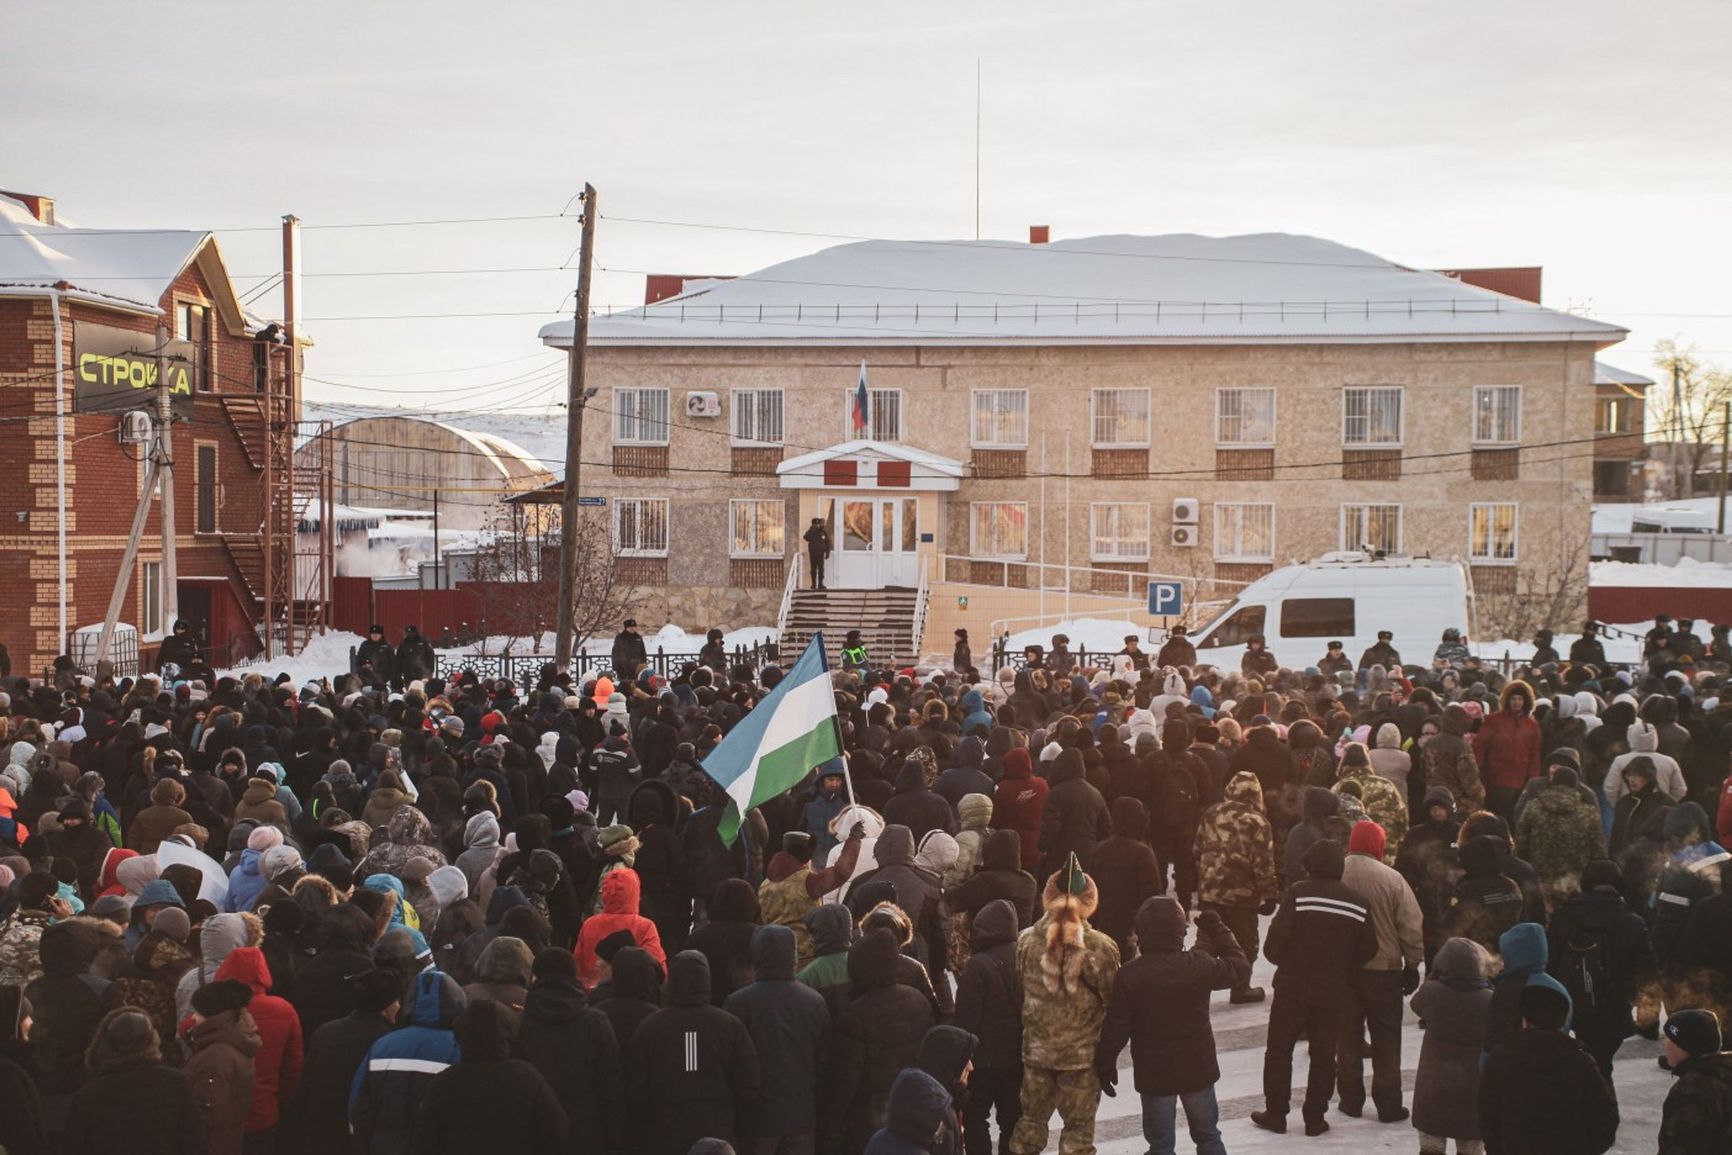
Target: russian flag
x,y
862,406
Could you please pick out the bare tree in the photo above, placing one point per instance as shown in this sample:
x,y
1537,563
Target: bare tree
x,y
1686,408
519,562
1556,599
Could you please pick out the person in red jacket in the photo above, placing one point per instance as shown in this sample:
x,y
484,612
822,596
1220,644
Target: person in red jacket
x,y
619,899
1020,801
1508,749
277,1065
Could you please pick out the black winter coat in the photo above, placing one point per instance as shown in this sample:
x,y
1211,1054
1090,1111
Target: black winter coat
x,y
1125,872
790,1028
877,1034
489,1101
725,940
1000,876
573,1047
988,994
1161,1004
1599,924
23,1129
916,807
691,1069
1697,1119
138,1107
635,994
320,1115
1075,818
1541,1094
1316,943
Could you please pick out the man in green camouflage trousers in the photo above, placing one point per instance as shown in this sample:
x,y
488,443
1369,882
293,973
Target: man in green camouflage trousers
x,y
1066,969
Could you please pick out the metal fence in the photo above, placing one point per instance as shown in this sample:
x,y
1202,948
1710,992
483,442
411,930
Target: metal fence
x,y
525,669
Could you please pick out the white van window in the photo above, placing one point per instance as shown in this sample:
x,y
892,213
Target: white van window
x,y
1238,629
1317,618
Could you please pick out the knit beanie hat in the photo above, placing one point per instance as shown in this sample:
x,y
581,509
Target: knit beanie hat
x,y
1695,1032
172,923
1367,838
1323,859
374,990
263,838
280,860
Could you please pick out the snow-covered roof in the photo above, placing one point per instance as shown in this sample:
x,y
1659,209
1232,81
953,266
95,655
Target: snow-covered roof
x,y
127,269
498,450
1605,374
1182,288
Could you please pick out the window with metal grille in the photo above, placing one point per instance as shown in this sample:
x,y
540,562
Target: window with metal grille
x,y
640,416
1000,418
998,529
1121,418
758,528
1245,532
1371,416
1245,417
883,415
1497,414
1491,532
1121,531
640,526
757,416
1376,528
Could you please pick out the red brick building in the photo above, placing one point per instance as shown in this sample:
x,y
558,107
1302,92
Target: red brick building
x,y
79,313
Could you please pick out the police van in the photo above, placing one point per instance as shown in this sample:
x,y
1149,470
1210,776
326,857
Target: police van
x,y
1346,597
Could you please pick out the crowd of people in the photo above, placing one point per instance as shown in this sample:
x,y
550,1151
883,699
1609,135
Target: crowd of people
x,y
388,911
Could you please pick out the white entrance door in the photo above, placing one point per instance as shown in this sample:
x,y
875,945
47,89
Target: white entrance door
x,y
877,541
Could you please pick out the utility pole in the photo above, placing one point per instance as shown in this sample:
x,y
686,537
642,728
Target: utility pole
x,y
156,453
170,594
575,400
1678,489
1725,460
438,558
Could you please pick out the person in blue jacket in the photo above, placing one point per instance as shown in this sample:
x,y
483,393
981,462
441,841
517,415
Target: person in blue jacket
x,y
392,1082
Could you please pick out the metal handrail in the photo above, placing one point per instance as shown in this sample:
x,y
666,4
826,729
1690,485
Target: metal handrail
x,y
920,598
788,587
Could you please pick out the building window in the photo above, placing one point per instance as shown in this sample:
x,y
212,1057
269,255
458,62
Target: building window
x,y
757,417
1615,415
1244,532
1491,532
758,529
1371,417
205,489
1376,528
640,416
1121,418
1000,419
640,526
998,529
150,594
192,325
1497,414
883,415
1121,531
1245,417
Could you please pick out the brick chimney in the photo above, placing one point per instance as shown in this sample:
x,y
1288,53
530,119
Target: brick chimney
x,y
1039,234
41,207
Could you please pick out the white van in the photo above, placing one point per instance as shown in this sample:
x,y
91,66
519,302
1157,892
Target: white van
x,y
1345,596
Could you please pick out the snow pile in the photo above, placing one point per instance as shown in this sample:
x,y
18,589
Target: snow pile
x,y
323,657
1687,573
1096,635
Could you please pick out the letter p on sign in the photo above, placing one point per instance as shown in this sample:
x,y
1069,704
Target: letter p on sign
x,y
1166,599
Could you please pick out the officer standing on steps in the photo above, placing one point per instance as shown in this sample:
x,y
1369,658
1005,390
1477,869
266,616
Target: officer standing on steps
x,y
817,550
853,652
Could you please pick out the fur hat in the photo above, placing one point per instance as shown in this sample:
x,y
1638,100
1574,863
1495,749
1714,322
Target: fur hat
x,y
1069,900
222,995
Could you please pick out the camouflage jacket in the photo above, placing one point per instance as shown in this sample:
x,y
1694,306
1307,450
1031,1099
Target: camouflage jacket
x,y
1235,848
20,963
1060,1029
1382,802
1449,763
1560,833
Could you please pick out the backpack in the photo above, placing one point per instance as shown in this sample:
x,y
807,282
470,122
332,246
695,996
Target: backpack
x,y
1581,968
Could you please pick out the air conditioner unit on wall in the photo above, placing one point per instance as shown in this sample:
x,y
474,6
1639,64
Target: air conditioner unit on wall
x,y
135,427
703,404
1185,511
1185,536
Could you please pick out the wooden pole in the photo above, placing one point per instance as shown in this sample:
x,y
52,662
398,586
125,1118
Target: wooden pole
x,y
575,399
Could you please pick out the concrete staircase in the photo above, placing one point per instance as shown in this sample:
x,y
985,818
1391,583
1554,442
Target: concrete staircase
x,y
885,619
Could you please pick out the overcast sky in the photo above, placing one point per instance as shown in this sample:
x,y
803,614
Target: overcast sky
x,y
1589,137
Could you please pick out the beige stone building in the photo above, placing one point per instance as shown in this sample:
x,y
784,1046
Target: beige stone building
x,y
1049,427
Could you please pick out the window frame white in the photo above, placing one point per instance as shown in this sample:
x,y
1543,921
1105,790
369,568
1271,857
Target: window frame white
x,y
874,407
150,599
619,507
619,414
1347,543
1096,553
975,440
1274,417
1473,555
1496,442
1095,418
735,410
975,548
1239,507
1400,441
781,507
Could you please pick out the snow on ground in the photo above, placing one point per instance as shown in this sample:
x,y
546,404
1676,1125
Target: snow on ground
x,y
1688,573
323,657
1095,635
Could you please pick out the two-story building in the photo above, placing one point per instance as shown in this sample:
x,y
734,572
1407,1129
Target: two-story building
x,y
1057,423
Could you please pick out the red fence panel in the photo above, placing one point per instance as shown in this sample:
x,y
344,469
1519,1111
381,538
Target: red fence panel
x,y
1620,604
352,604
433,612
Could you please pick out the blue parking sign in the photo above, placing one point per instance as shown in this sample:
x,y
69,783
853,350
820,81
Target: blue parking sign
x,y
1166,599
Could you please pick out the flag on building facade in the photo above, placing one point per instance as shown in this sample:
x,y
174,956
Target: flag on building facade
x,y
772,748
862,407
